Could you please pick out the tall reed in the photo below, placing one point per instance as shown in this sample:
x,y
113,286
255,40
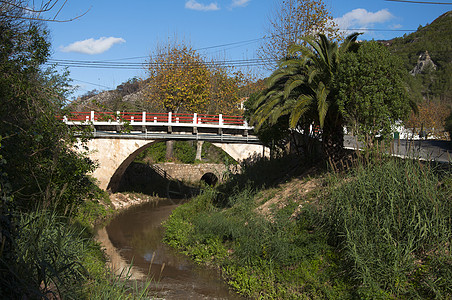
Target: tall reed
x,y
393,220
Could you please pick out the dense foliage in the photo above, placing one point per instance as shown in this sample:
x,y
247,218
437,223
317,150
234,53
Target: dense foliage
x,y
392,220
181,80
178,79
47,200
369,85
330,86
42,168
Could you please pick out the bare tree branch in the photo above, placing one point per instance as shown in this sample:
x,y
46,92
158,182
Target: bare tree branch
x,y
20,10
290,21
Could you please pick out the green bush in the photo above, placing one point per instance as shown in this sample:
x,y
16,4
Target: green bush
x,y
155,153
185,152
393,221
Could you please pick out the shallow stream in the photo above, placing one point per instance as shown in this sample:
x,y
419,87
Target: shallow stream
x,y
137,235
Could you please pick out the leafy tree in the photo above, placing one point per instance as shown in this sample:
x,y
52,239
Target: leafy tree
x,y
41,165
178,78
276,135
38,168
179,81
431,117
370,91
300,88
292,20
225,91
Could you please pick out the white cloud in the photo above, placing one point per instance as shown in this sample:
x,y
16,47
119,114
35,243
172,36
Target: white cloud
x,y
362,18
195,5
92,46
239,3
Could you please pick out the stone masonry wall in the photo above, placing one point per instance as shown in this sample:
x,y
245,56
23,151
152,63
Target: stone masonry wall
x,y
193,173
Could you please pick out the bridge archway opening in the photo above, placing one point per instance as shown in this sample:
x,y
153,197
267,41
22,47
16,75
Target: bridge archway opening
x,y
115,179
210,179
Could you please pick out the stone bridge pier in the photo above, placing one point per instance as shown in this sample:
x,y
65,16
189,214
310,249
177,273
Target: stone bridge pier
x,y
114,155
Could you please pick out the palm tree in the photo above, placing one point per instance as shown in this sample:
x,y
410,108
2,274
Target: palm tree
x,y
300,88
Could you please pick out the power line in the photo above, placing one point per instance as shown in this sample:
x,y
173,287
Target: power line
x,y
377,29
99,85
111,63
136,66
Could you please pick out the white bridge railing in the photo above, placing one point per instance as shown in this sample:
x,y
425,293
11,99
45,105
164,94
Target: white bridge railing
x,y
145,118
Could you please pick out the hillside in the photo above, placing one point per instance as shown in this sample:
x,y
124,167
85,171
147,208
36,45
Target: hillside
x,y
128,96
434,41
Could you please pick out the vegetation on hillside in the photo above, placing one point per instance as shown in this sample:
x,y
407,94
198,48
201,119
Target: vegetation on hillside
x,y
432,87
436,39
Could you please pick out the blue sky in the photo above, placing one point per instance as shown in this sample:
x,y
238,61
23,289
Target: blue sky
x,y
128,31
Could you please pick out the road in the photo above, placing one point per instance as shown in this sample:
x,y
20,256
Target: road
x,y
440,151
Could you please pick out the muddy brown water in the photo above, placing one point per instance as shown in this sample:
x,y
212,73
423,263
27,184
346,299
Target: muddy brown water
x,y
137,236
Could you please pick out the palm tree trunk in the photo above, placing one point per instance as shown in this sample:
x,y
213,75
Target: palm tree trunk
x,y
333,141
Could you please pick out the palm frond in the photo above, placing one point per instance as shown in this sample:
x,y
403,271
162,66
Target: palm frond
x,y
322,104
302,105
293,83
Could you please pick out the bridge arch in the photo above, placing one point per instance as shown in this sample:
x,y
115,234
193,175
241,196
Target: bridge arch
x,y
114,155
210,178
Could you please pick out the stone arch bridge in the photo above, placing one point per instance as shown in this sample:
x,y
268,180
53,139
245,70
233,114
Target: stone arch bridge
x,y
119,137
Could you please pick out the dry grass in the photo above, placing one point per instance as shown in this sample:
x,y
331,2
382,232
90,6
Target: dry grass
x,y
301,189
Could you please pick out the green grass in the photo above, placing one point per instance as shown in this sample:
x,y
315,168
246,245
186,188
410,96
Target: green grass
x,y
284,258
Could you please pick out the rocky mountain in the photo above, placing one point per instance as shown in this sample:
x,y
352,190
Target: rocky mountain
x,y
424,64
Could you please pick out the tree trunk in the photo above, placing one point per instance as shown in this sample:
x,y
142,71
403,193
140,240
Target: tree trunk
x,y
333,142
169,150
